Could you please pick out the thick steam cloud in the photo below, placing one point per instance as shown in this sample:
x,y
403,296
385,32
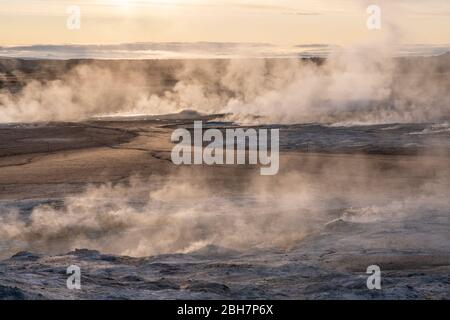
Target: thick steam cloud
x,y
182,214
361,85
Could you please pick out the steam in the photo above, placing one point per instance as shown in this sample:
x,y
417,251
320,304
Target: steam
x,y
363,84
358,84
176,217
84,91
183,213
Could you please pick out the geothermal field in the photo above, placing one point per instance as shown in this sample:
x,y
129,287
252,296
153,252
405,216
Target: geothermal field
x,y
87,179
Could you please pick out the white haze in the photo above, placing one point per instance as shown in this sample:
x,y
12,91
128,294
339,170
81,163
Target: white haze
x,y
359,85
184,212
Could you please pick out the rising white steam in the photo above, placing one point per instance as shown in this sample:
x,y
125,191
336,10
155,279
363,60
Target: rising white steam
x,y
364,84
184,213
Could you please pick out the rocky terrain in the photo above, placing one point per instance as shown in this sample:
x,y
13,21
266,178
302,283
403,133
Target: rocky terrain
x,y
347,197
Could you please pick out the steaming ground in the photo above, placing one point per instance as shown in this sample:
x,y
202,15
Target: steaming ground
x,y
361,85
365,182
346,197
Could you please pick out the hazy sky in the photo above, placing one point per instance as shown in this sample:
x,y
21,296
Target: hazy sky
x,y
284,22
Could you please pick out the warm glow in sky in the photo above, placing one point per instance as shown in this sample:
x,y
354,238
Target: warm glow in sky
x,y
284,22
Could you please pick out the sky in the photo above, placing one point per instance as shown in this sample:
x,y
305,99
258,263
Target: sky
x,y
279,22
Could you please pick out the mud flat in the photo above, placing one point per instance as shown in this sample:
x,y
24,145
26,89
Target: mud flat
x,y
337,206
